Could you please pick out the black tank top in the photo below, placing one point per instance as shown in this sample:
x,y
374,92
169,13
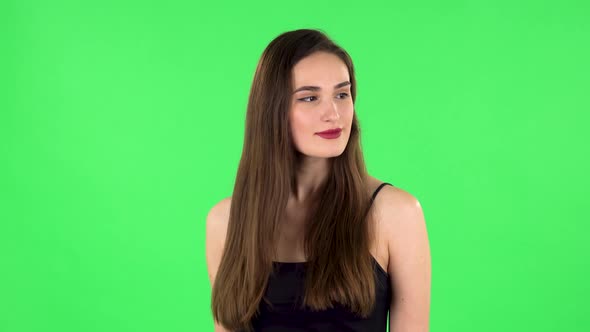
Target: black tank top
x,y
286,287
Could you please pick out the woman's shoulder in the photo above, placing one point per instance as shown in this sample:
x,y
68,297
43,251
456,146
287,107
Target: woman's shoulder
x,y
221,208
218,218
388,194
215,233
397,217
393,207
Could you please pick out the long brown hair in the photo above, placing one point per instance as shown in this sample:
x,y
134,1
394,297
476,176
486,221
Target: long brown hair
x,y
339,264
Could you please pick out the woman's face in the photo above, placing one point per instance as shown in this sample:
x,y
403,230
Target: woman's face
x,y
321,100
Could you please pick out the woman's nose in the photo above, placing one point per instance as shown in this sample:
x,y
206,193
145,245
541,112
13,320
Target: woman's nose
x,y
331,111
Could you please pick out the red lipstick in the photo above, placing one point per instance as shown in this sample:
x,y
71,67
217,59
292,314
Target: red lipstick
x,y
330,134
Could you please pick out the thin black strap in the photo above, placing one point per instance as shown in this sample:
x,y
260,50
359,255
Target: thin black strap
x,y
377,190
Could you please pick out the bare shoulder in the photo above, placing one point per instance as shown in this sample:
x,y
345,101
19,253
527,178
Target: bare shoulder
x,y
402,223
399,218
219,213
216,231
389,198
392,202
395,202
217,221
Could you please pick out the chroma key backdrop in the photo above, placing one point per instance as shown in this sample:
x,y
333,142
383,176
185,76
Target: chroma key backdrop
x,y
122,124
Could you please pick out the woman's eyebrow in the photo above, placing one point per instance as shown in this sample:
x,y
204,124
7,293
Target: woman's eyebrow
x,y
316,88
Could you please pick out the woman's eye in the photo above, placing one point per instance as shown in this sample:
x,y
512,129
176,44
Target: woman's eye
x,y
341,95
306,98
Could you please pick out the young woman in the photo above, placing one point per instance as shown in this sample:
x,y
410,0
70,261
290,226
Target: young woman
x,y
305,243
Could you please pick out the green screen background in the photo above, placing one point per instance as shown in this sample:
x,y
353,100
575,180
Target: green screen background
x,y
121,125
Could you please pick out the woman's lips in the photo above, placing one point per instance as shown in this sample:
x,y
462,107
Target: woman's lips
x,y
330,134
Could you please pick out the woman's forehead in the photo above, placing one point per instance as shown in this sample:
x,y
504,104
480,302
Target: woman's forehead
x,y
320,69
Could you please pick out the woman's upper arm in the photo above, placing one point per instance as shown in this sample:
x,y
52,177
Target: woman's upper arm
x,y
216,230
409,261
